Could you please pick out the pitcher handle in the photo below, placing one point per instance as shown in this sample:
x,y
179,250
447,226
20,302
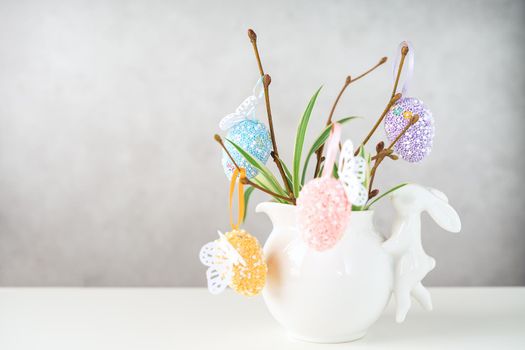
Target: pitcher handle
x,y
412,264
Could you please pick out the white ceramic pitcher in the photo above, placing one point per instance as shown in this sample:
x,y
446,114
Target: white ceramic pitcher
x,y
336,295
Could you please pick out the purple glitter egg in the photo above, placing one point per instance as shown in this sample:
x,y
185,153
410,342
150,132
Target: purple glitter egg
x,y
416,143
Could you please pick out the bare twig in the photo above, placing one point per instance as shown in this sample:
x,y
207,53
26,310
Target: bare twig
x,y
404,52
245,180
373,193
266,83
392,101
414,119
348,81
381,61
393,98
275,154
383,153
253,40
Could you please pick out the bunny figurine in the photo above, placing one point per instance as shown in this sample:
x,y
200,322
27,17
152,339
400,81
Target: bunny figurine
x,y
411,262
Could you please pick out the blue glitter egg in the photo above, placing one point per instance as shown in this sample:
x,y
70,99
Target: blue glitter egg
x,y
253,137
416,143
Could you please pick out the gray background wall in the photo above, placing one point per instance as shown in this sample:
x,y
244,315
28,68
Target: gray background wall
x,y
108,172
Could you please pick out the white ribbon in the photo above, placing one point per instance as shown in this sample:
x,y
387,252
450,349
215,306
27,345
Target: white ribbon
x,y
246,109
409,67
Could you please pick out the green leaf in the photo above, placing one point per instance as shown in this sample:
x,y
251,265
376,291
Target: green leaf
x,y
385,194
321,139
264,171
287,173
299,142
368,158
247,193
335,171
263,182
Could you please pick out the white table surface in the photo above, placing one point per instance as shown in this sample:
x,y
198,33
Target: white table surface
x,y
164,318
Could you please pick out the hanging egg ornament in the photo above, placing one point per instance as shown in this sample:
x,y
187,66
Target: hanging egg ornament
x,y
248,277
416,143
248,133
323,208
253,137
235,259
323,212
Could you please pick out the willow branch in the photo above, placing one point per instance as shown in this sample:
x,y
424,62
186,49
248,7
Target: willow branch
x,y
245,180
253,40
393,98
404,52
388,152
348,81
275,154
381,61
266,83
414,119
390,103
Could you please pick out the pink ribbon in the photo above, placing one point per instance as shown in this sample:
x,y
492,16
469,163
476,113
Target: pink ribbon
x,y
331,149
409,68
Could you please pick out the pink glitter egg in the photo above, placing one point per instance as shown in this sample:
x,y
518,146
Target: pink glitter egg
x,y
416,143
323,212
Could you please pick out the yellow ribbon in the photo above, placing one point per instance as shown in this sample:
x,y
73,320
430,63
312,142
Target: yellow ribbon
x,y
241,174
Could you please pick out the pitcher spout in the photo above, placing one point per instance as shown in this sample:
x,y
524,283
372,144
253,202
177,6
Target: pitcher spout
x,y
280,214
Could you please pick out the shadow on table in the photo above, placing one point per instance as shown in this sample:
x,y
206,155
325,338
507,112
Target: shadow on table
x,y
430,329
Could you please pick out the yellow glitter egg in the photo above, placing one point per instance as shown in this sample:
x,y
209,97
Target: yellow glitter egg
x,y
249,278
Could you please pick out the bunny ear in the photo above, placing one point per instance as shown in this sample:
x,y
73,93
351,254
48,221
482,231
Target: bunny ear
x,y
438,194
445,216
